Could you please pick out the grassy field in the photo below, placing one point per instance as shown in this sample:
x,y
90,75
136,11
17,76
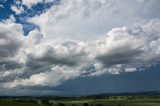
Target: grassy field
x,y
112,101
16,103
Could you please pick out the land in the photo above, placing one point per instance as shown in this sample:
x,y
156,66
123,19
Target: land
x,y
111,99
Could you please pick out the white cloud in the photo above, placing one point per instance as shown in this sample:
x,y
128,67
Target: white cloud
x,y
130,69
17,10
34,37
11,19
85,19
64,20
29,3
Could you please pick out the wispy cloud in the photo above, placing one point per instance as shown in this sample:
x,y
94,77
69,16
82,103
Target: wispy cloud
x,y
1,6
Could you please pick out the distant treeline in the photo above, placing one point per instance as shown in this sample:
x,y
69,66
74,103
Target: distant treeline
x,y
135,95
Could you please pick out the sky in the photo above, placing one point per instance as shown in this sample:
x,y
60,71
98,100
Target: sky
x,y
79,47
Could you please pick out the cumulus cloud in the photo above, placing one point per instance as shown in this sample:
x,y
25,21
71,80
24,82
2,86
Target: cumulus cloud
x,y
68,53
11,36
85,19
49,62
54,53
119,47
11,43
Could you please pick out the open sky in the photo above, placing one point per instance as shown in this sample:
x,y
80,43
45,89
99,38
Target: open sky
x,y
79,47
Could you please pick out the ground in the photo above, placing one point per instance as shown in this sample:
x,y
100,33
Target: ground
x,y
80,101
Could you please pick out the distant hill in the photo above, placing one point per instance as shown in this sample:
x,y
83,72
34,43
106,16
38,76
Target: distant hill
x,y
144,93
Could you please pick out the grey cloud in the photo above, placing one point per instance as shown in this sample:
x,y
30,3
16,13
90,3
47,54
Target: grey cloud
x,y
51,58
9,65
121,57
66,53
9,45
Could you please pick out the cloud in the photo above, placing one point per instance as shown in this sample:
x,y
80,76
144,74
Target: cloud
x,y
119,47
130,69
1,6
34,36
9,44
17,10
30,3
85,19
11,19
67,53
124,49
51,78
76,40
50,62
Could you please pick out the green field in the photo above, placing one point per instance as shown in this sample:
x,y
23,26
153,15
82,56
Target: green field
x,y
111,101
